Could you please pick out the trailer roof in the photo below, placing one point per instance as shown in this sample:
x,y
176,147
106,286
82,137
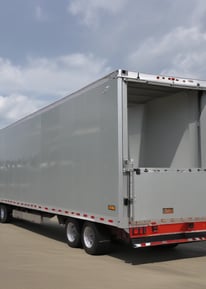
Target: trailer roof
x,y
140,79
162,80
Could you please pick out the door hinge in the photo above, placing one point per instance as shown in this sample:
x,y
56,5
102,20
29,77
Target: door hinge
x,y
127,201
128,166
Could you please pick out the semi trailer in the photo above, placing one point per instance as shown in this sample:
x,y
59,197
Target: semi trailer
x,y
123,158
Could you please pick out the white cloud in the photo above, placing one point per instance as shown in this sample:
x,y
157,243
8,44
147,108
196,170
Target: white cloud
x,y
180,52
15,106
63,74
89,11
41,80
51,76
9,75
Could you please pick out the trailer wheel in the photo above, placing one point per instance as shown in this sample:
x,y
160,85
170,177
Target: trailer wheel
x,y
5,214
95,240
73,233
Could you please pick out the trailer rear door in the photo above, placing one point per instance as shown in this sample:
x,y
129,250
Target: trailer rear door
x,y
161,194
166,140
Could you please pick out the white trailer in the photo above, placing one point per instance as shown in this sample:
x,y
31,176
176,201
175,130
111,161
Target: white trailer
x,y
124,158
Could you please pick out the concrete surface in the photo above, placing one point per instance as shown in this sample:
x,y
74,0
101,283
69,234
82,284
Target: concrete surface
x,y
36,257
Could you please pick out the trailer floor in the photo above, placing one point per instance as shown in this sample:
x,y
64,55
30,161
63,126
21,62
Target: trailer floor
x,y
36,257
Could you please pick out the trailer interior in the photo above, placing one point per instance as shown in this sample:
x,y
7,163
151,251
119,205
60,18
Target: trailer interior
x,y
164,126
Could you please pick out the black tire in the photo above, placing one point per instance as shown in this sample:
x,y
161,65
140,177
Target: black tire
x,y
5,214
95,239
73,233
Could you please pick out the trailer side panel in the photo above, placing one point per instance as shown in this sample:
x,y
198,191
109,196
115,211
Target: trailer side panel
x,y
66,156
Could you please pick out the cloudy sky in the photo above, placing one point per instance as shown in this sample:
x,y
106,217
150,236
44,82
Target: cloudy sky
x,y
49,48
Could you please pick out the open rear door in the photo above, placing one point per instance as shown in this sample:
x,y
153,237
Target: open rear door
x,y
162,195
166,147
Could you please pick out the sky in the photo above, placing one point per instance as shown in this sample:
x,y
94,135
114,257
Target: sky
x,y
50,48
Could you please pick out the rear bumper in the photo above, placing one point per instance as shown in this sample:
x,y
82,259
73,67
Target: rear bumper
x,y
168,239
